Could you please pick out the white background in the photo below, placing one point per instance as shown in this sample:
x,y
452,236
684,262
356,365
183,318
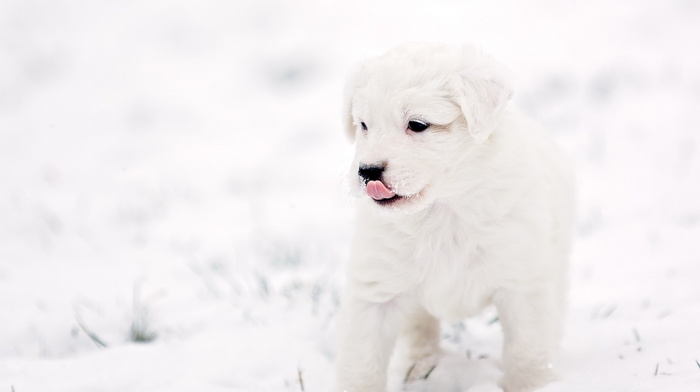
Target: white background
x,y
177,169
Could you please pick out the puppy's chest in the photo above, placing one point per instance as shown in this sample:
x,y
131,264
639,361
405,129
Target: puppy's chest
x,y
451,269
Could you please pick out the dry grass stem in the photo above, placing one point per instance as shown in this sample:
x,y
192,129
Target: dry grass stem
x,y
429,371
301,379
408,373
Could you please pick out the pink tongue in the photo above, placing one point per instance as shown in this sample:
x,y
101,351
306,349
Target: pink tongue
x,y
377,191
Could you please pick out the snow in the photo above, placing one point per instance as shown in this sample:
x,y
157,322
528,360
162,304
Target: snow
x,y
175,172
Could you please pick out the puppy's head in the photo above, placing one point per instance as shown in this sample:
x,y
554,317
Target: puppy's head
x,y
415,113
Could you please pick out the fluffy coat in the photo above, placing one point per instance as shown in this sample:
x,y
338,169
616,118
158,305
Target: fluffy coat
x,y
474,210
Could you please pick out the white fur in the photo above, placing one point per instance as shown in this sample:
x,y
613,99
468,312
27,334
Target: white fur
x,y
486,218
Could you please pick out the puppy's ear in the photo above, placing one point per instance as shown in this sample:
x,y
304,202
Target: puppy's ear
x,y
483,93
351,86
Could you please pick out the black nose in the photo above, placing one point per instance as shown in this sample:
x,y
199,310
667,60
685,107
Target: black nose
x,y
371,172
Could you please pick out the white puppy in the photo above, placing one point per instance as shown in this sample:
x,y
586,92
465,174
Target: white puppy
x,y
463,203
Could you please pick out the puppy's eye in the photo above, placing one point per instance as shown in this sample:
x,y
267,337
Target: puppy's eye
x,y
364,126
418,126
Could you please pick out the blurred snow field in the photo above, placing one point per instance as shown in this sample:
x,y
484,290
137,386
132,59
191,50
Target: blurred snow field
x,y
174,213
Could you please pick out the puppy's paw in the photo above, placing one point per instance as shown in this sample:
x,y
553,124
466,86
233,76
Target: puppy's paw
x,y
523,379
485,387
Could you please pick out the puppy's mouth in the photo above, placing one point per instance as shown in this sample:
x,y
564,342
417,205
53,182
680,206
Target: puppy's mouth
x,y
381,194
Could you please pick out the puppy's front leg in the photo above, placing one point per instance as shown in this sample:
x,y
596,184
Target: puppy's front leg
x,y
368,334
420,341
532,329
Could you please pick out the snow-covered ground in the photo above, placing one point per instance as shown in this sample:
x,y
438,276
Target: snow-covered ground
x,y
174,214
